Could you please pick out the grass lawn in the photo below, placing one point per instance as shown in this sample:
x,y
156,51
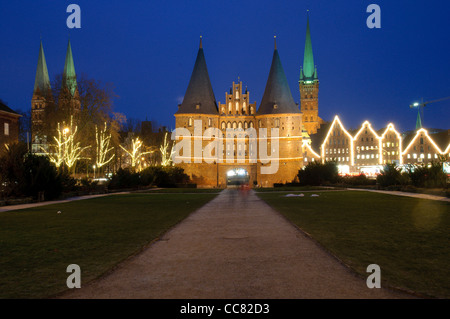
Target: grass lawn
x,y
408,238
185,190
37,245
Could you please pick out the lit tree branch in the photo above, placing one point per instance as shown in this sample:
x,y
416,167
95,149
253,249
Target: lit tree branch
x,y
135,153
65,148
72,150
103,148
166,156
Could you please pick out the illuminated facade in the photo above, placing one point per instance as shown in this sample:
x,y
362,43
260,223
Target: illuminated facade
x,y
199,112
367,146
420,148
367,150
338,145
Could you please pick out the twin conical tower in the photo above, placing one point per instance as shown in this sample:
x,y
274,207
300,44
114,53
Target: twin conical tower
x,y
278,118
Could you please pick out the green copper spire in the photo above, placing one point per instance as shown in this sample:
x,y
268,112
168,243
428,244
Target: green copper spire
x,y
308,59
42,81
419,120
69,76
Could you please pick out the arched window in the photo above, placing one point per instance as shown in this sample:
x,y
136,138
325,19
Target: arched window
x,y
240,125
244,107
229,125
237,94
252,110
229,107
190,121
224,125
251,124
245,125
234,125
237,106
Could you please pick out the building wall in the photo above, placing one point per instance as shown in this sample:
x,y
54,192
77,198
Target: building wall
x,y
11,133
421,150
367,147
338,145
391,143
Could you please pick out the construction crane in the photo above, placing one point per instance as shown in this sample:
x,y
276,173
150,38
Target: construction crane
x,y
420,106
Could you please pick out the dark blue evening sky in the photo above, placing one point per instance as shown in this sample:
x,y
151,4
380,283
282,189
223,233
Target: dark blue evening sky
x,y
147,49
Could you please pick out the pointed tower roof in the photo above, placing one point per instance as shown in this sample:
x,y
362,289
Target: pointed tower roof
x,y
199,96
309,68
277,98
42,80
69,75
419,120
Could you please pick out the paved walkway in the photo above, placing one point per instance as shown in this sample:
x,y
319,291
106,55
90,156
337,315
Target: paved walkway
x,y
45,203
233,247
407,194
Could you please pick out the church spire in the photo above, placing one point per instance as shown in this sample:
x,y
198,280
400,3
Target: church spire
x,y
69,75
419,120
42,80
308,59
199,96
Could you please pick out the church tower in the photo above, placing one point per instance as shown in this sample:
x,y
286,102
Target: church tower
x,y
70,98
41,92
309,88
42,96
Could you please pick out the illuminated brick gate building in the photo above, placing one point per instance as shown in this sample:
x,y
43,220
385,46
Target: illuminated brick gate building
x,y
199,112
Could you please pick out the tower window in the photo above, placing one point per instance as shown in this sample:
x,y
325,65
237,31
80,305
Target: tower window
x,y
190,121
6,131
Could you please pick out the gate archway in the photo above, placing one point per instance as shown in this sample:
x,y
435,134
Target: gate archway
x,y
237,176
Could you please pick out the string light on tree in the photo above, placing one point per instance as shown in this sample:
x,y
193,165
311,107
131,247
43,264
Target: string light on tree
x,y
136,152
166,156
102,148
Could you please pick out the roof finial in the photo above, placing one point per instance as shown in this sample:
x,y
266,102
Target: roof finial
x,y
201,45
275,41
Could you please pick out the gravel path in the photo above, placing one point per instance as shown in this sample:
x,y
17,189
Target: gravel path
x,y
235,246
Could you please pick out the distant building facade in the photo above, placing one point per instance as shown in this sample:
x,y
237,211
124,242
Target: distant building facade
x,y
367,150
9,126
